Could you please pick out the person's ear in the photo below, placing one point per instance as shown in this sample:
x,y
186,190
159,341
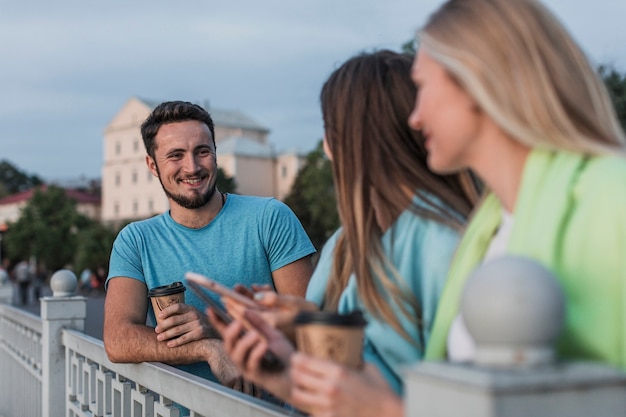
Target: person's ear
x,y
152,166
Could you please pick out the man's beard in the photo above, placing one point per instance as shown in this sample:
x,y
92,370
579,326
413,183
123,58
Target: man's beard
x,y
191,203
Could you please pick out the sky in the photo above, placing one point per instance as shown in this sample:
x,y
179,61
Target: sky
x,y
68,66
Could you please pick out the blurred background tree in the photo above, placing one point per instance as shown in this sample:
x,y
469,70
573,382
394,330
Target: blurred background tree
x,y
616,84
94,244
13,180
225,183
51,230
312,197
409,47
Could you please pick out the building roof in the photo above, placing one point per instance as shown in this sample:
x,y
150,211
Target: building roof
x,y
243,146
223,117
76,195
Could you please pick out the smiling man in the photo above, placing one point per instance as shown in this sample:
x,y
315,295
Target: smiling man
x,y
231,238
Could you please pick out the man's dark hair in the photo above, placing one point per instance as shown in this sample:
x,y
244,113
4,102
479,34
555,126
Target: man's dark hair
x,y
172,112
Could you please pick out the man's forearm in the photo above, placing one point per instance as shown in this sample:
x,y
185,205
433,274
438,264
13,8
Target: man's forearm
x,y
139,343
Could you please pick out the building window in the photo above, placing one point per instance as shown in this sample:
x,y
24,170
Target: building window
x,y
134,177
283,171
118,148
135,207
150,206
150,176
116,209
118,179
136,145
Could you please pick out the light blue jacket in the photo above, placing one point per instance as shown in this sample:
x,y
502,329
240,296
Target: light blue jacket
x,y
420,250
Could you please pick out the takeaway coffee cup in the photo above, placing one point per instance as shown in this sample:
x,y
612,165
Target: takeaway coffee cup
x,y
333,336
166,295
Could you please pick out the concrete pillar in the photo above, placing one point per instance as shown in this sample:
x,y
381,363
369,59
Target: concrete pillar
x,y
62,310
440,389
514,310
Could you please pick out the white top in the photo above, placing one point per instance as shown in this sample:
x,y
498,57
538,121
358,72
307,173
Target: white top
x,y
461,347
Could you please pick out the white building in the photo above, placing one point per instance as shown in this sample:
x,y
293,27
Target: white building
x,y
129,191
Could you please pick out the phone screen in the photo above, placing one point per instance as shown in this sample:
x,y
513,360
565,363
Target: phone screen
x,y
270,362
218,309
219,289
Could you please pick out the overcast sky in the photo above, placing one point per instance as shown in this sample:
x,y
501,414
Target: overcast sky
x,y
67,67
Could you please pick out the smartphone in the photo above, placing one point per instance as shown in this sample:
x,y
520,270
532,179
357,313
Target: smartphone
x,y
221,290
215,306
269,362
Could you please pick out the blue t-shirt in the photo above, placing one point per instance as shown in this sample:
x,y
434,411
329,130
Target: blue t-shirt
x,y
247,240
420,251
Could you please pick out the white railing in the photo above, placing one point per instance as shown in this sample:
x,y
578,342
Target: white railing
x,y
97,387
50,368
20,363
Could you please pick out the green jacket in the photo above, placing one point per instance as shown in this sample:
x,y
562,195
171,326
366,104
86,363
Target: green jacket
x,y
570,216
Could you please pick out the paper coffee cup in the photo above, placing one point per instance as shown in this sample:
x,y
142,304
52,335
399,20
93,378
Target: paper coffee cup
x,y
166,295
332,336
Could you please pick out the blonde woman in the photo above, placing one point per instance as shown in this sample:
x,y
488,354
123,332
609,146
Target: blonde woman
x,y
535,122
506,92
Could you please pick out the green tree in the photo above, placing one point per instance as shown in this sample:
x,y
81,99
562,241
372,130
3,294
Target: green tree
x,y
3,190
312,197
13,180
616,84
46,229
409,47
94,248
225,183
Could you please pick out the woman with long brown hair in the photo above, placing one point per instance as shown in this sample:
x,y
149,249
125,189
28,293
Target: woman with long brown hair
x,y
399,220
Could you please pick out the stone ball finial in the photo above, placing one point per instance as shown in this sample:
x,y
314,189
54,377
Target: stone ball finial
x,y
63,283
514,309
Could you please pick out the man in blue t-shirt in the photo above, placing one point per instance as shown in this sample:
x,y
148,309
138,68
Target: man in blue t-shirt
x,y
232,239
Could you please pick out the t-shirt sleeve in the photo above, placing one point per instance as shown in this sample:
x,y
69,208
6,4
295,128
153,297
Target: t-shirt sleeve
x,y
316,289
125,257
285,239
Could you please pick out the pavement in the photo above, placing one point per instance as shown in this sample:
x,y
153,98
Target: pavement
x,y
95,308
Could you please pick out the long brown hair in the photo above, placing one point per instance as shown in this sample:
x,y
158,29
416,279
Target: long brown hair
x,y
376,158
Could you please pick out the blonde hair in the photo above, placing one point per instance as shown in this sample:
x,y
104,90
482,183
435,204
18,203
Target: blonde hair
x,y
526,72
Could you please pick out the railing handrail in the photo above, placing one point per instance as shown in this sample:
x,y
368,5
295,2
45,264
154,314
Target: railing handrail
x,y
188,390
22,317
